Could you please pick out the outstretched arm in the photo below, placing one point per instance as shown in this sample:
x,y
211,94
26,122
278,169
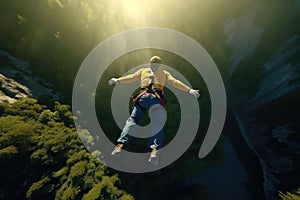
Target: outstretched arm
x,y
179,85
126,79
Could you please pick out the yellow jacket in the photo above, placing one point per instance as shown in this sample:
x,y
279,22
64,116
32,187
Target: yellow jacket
x,y
160,77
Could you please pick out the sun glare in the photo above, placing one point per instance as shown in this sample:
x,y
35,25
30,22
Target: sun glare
x,y
132,11
131,7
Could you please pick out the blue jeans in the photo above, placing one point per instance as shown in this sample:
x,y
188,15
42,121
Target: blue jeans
x,y
143,104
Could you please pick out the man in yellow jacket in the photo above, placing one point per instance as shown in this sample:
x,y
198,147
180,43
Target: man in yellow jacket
x,y
152,80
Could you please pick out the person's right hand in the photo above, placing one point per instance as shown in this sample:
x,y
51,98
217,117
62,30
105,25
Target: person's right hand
x,y
113,81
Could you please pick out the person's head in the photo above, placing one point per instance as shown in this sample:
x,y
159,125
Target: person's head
x,y
155,62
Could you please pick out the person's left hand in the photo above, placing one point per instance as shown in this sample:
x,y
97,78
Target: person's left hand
x,y
195,93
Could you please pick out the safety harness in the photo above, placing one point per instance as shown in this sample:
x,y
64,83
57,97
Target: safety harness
x,y
156,92
149,90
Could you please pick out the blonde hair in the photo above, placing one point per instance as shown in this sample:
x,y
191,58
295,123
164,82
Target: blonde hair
x,y
155,59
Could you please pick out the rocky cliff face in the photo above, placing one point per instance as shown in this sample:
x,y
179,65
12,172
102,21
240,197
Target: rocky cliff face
x,y
265,97
17,81
11,90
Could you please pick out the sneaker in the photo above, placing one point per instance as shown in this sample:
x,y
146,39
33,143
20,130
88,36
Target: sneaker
x,y
117,151
154,157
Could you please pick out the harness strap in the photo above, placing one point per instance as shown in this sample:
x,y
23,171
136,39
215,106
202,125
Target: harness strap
x,y
136,98
161,100
156,93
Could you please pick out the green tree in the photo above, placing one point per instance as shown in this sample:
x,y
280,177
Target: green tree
x,y
47,116
64,113
290,196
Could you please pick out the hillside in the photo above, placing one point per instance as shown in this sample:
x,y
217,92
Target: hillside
x,y
42,157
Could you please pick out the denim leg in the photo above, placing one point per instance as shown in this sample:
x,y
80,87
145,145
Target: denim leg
x,y
156,141
158,117
130,125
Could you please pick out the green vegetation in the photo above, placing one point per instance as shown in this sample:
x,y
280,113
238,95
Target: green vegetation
x,y
42,157
290,196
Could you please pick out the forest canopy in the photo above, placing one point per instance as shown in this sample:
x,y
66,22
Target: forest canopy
x,y
42,157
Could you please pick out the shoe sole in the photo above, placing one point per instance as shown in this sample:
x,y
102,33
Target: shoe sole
x,y
153,160
116,154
